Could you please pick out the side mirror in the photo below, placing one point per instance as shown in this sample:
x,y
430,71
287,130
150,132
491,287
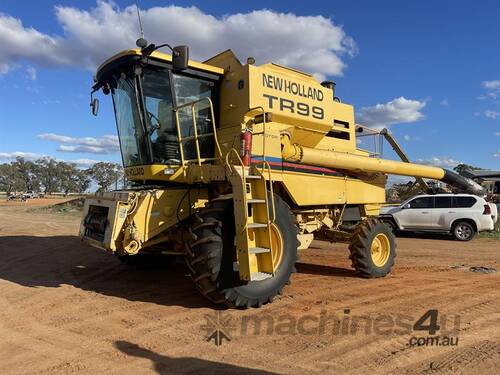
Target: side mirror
x,y
94,105
180,57
407,205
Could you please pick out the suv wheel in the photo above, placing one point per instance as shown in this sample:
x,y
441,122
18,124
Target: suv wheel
x,y
463,231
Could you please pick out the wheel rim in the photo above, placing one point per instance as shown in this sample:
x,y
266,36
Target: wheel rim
x,y
380,249
277,246
463,231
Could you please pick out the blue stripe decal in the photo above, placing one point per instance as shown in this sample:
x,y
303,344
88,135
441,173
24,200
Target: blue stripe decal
x,y
268,158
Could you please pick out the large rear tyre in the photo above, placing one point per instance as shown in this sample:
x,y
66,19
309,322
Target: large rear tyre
x,y
211,256
373,249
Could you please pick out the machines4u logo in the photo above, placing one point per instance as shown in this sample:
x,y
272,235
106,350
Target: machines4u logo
x,y
217,328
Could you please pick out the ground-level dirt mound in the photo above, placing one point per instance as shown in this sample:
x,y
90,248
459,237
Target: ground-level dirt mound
x,y
71,205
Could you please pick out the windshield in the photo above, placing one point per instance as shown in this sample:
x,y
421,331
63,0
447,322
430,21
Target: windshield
x,y
155,138
130,132
160,116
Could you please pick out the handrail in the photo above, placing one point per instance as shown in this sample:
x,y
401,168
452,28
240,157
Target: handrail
x,y
263,161
263,128
243,179
180,139
265,165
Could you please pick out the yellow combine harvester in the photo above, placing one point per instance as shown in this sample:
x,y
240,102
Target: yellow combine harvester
x,y
236,167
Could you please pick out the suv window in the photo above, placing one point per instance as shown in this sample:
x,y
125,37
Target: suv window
x,y
442,202
422,202
464,202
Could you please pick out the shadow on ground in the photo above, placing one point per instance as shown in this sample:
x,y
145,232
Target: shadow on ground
x,y
163,364
53,261
426,235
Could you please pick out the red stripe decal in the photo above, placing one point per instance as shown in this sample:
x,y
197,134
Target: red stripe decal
x,y
299,166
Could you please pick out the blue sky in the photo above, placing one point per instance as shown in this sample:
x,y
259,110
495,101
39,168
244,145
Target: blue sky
x,y
427,69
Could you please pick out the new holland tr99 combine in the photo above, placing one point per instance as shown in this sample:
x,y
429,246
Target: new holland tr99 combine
x,y
236,167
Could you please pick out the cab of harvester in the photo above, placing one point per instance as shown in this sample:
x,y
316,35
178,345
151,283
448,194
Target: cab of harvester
x,y
236,166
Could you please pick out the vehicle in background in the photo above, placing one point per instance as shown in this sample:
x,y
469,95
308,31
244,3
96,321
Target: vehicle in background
x,y
462,215
16,196
30,194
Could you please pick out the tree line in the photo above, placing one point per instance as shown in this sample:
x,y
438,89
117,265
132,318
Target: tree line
x,y
49,176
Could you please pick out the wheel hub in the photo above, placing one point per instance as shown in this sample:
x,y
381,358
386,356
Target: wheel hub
x,y
463,231
380,249
276,246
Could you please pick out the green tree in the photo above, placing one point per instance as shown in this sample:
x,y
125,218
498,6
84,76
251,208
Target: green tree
x,y
83,180
26,170
67,177
105,174
461,168
10,179
48,174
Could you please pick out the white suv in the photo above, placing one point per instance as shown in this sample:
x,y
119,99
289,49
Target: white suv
x,y
462,215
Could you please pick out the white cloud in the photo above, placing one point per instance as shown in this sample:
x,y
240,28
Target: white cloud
x,y
492,89
497,154
31,156
399,110
31,72
491,85
312,43
491,114
83,162
497,134
410,138
83,149
444,103
8,156
106,144
444,162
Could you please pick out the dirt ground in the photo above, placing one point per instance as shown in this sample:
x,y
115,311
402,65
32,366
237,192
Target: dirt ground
x,y
66,308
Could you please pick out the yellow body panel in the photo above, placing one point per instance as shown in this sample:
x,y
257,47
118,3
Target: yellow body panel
x,y
139,217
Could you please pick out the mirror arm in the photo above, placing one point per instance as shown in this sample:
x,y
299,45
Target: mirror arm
x,y
148,50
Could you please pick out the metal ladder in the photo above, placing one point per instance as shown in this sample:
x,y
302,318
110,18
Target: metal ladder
x,y
254,216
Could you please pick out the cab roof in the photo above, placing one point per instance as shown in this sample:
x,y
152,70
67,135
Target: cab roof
x,y
160,56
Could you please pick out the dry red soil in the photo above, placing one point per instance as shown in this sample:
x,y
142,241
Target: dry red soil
x,y
69,308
